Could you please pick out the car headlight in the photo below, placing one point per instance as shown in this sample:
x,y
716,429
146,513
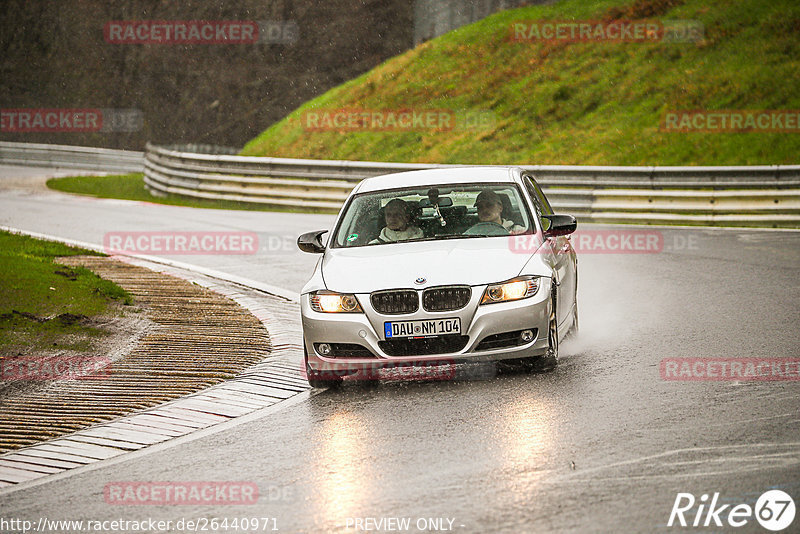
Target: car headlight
x,y
516,289
330,302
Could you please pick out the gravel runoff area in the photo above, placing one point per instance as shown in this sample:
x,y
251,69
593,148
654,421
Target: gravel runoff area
x,y
199,338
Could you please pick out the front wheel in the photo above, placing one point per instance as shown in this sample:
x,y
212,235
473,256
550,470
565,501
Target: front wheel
x,y
318,379
549,359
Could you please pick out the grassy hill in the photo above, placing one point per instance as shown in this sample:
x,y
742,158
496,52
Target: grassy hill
x,y
596,103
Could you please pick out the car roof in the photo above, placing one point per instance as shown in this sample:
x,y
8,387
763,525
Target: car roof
x,y
450,175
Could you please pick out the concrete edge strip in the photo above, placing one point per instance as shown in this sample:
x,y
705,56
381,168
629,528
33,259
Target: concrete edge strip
x,y
258,390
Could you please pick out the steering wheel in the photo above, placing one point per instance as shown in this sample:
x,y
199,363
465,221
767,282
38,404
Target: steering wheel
x,y
488,228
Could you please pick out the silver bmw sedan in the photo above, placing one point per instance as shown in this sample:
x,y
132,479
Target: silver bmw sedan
x,y
434,268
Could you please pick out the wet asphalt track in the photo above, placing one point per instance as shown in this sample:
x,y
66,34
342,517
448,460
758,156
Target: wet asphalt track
x,y
600,444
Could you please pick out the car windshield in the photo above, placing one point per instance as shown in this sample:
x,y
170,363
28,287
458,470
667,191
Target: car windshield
x,y
456,211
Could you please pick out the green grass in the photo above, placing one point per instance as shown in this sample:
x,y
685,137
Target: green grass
x,y
42,303
131,187
125,186
579,103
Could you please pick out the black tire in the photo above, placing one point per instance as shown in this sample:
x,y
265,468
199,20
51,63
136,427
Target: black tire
x,y
550,358
319,380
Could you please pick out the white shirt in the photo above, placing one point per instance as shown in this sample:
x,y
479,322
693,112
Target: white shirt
x,y
390,236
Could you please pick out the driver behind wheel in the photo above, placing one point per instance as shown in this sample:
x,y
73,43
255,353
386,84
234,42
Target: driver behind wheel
x,y
490,210
398,223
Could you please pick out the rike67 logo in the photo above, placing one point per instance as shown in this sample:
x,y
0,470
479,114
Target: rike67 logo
x,y
774,510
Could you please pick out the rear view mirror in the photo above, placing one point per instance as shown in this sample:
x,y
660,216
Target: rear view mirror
x,y
558,225
312,242
443,202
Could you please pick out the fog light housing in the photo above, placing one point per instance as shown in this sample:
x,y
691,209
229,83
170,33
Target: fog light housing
x,y
526,336
324,349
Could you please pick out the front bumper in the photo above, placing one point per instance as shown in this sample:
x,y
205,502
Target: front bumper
x,y
477,323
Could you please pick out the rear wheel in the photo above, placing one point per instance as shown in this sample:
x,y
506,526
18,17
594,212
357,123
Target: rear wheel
x,y
317,379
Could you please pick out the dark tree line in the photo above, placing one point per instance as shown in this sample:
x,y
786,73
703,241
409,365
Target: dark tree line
x,y
54,55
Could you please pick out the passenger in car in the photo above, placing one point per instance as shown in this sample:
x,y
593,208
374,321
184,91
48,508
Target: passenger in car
x,y
398,227
490,209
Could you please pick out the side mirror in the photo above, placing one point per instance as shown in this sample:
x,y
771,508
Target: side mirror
x,y
312,242
559,225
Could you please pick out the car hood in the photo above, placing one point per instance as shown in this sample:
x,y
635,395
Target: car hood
x,y
459,261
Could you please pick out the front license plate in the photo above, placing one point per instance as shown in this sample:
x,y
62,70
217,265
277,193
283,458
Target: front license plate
x,y
427,327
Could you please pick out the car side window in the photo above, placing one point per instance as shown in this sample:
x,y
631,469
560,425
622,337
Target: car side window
x,y
544,204
534,197
540,201
546,209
